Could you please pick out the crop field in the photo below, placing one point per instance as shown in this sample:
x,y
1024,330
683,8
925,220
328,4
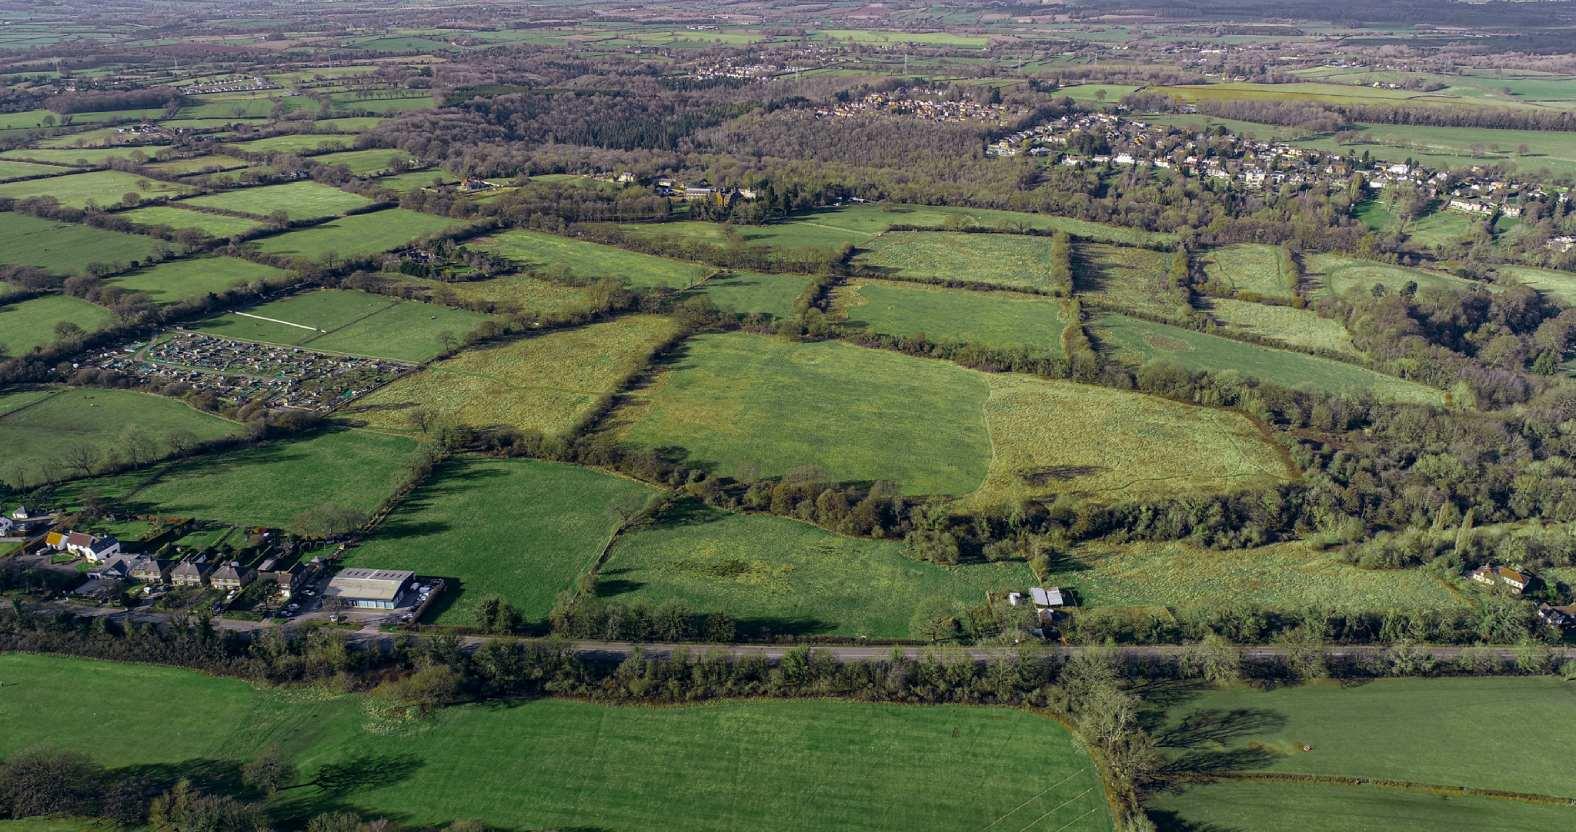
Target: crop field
x,y
753,293
521,529
343,321
64,248
12,169
39,426
179,280
783,577
1557,284
547,383
1127,277
1284,575
364,162
567,764
100,187
1297,327
1138,341
299,201
296,143
748,405
361,235
1001,320
998,259
1336,275
29,324
1248,267
263,485
552,256
180,219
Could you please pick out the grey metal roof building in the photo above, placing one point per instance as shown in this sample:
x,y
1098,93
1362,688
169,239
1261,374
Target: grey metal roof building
x,y
370,588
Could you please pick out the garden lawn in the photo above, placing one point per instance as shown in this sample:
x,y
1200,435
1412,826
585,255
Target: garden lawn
x,y
1010,260
100,187
303,200
549,383
181,219
30,324
362,235
344,321
1000,320
549,255
777,576
64,248
1248,268
178,280
524,530
39,426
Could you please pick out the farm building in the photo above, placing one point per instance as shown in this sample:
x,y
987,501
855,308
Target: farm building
x,y
378,589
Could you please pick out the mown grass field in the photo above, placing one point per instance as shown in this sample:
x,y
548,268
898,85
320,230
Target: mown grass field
x,y
998,259
364,162
299,200
64,248
362,235
548,383
99,187
1297,327
339,320
1138,341
753,293
522,529
565,764
39,426
1318,807
1442,228
1336,275
178,280
30,324
263,485
1001,320
296,143
780,576
1130,278
1248,267
180,219
550,255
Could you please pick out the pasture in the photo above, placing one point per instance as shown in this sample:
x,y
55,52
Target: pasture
x,y
1288,325
1248,268
1009,260
547,383
1556,284
1320,93
567,764
181,219
514,292
1326,807
779,576
296,143
1525,151
63,248
365,162
41,428
344,321
13,169
100,187
178,280
1000,320
30,324
416,180
199,164
1138,341
83,157
561,258
1336,274
298,200
522,529
753,293
1130,278
361,235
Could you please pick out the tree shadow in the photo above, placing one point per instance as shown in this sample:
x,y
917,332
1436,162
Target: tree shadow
x,y
1166,821
365,771
608,586
766,627
1218,726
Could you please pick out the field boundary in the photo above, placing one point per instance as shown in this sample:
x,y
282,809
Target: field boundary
x,y
1384,783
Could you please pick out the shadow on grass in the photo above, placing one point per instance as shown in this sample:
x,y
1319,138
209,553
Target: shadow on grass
x,y
1217,726
1173,822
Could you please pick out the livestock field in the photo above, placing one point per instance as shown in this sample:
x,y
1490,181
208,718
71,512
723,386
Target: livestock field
x,y
561,763
178,280
1001,320
30,324
753,293
509,293
296,143
12,169
99,187
1338,275
365,162
356,323
552,256
1008,260
63,248
1248,268
1131,278
298,200
1295,327
181,219
360,235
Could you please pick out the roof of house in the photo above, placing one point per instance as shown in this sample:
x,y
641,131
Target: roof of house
x,y
369,584
105,543
144,565
54,539
232,572
79,539
189,567
1046,596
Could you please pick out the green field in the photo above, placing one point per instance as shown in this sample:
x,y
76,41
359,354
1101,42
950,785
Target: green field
x,y
267,484
1335,274
1138,341
343,321
884,37
521,529
1096,93
548,383
1248,267
100,187
753,293
1327,94
1553,151
180,219
1441,228
364,162
78,156
552,256
1321,807
30,324
199,164
416,180
38,427
361,235
566,764
1288,325
64,248
783,577
1000,320
515,292
295,143
998,259
299,201
12,169
179,280
1557,284
1130,278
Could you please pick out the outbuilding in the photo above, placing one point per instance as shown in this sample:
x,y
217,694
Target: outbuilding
x,y
377,589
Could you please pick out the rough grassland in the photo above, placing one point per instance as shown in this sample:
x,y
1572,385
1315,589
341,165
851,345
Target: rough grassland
x,y
1129,278
753,293
748,404
1337,275
550,255
100,187
1297,327
180,219
65,248
1319,807
37,427
1249,267
1001,320
179,280
359,323
515,291
361,235
267,484
31,324
1138,341
299,200
564,764
777,575
998,259
547,383
522,529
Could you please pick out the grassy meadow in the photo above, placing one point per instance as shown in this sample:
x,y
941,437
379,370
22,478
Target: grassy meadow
x,y
361,235
180,219
753,293
1337,275
365,162
296,143
1001,320
1130,278
550,255
64,248
1324,807
1557,284
11,169
513,292
1295,327
30,324
345,321
1248,267
178,280
99,187
303,200
1010,260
